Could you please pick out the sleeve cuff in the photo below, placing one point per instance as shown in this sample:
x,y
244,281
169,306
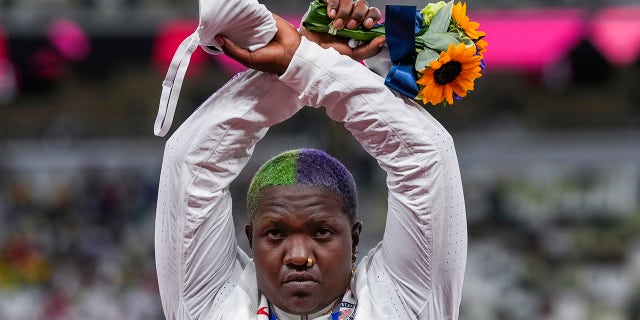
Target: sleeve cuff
x,y
304,66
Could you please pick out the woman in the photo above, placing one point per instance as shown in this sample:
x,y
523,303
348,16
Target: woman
x,y
301,235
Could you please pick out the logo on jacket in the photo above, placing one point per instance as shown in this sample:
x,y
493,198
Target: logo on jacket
x,y
264,311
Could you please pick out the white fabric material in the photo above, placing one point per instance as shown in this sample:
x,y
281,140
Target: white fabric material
x,y
246,22
415,272
173,83
380,63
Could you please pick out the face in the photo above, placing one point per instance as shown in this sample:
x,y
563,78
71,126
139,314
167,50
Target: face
x,y
292,224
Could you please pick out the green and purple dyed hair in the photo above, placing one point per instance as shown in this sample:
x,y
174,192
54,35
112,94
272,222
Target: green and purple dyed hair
x,y
308,167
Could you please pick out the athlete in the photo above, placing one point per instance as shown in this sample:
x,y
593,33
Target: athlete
x,y
303,229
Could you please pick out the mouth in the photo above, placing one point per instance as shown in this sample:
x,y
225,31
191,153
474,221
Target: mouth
x,y
299,281
299,277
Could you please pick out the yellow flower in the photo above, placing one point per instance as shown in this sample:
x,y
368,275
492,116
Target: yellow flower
x,y
453,72
481,45
459,14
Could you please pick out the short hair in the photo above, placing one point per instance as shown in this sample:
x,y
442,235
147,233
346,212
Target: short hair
x,y
307,167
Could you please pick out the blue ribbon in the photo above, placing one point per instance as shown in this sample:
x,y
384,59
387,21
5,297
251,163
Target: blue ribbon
x,y
401,24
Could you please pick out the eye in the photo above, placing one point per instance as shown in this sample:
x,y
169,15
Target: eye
x,y
274,234
323,233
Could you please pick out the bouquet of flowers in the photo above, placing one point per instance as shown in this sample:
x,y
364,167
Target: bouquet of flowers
x,y
437,52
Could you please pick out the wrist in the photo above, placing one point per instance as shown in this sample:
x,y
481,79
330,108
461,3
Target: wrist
x,y
304,66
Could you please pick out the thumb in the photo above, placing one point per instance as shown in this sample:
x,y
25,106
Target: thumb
x,y
370,49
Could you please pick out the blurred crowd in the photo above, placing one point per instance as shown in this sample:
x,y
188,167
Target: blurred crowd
x,y
78,249
550,237
555,242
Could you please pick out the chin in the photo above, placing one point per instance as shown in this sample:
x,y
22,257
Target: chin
x,y
301,306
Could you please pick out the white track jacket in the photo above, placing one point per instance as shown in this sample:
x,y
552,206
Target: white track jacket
x,y
415,272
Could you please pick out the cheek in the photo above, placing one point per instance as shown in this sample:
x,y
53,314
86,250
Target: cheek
x,y
338,257
268,267
266,258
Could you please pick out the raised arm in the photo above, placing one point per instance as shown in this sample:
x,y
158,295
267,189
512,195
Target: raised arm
x,y
424,247
423,253
197,258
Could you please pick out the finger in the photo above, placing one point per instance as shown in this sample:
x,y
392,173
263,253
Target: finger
x,y
372,17
342,14
232,50
368,50
359,53
358,13
332,8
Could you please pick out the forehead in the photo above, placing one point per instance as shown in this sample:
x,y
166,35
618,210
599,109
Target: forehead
x,y
299,202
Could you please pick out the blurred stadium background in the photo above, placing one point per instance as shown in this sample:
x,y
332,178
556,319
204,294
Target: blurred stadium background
x,y
549,147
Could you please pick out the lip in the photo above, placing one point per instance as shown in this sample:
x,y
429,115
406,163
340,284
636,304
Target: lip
x,y
296,286
300,277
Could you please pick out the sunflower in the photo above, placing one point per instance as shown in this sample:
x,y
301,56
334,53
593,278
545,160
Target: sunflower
x,y
481,45
459,14
452,73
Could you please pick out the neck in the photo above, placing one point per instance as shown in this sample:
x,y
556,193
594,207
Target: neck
x,y
324,312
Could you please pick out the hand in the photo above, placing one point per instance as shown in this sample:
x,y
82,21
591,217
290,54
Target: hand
x,y
340,44
275,57
352,14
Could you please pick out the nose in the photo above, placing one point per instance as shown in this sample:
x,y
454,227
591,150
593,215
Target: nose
x,y
297,252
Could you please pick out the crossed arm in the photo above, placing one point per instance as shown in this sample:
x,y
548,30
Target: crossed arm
x,y
275,57
424,247
425,241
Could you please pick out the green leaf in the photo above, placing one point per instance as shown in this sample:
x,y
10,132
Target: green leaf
x,y
440,22
460,35
439,41
467,42
318,21
421,32
361,33
424,58
316,18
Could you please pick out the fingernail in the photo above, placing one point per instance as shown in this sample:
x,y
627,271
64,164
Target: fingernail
x,y
368,23
338,24
332,13
352,24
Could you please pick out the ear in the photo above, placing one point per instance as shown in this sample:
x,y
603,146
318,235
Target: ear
x,y
248,230
355,235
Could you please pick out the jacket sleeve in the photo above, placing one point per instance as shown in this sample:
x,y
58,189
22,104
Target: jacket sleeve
x,y
196,249
424,246
246,22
